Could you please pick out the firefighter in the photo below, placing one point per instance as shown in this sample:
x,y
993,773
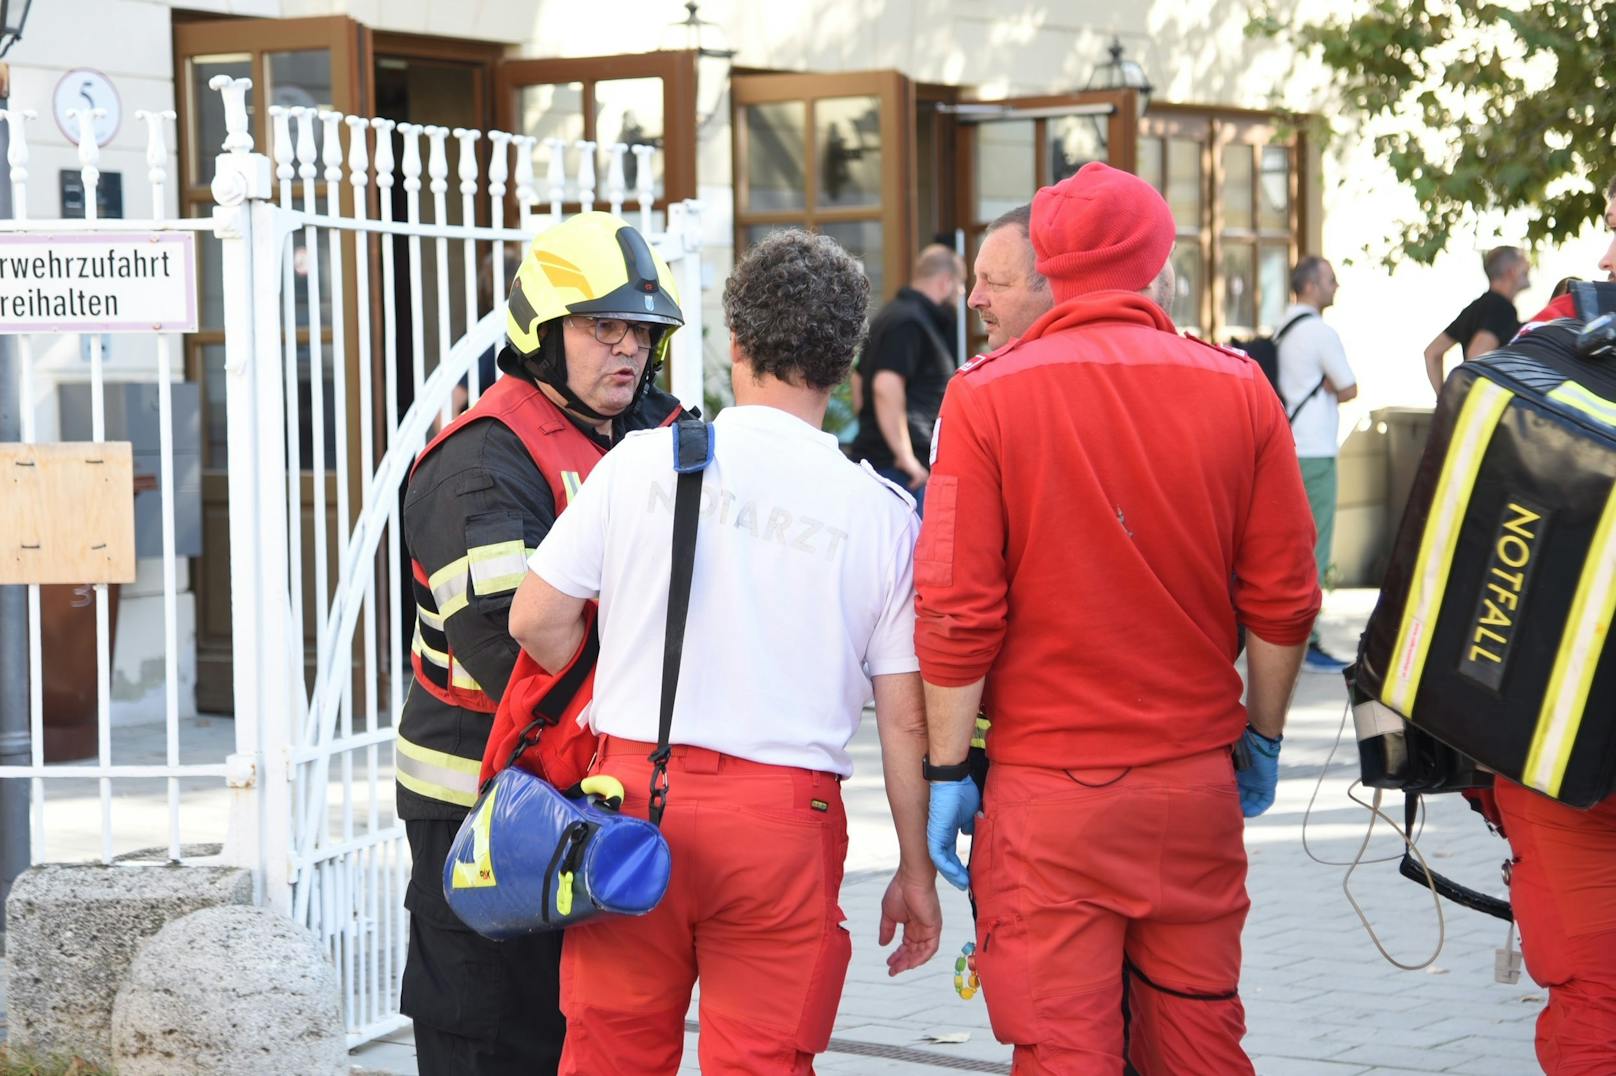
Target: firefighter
x,y
592,308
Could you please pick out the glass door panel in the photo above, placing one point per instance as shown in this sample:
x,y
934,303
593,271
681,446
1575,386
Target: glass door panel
x,y
646,99
776,175
1075,141
847,140
629,110
1004,167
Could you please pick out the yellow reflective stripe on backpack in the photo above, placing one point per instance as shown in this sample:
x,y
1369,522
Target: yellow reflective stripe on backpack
x,y
479,873
1583,640
979,734
1588,402
1472,433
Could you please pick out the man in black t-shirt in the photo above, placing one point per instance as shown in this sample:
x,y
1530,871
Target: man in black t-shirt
x,y
906,364
1488,322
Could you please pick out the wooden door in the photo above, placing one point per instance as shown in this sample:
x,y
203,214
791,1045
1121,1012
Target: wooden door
x,y
315,62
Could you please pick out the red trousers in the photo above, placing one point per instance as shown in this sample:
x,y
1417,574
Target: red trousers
x,y
751,911
1079,874
1563,888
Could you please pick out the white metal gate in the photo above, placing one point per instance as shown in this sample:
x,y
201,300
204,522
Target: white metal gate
x,y
324,290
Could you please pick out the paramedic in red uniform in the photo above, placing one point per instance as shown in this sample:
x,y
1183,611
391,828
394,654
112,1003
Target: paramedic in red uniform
x,y
1111,503
801,605
1562,882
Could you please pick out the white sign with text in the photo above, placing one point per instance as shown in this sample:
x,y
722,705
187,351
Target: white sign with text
x,y
98,282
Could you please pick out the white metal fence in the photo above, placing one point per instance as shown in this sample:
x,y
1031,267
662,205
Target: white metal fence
x,y
348,328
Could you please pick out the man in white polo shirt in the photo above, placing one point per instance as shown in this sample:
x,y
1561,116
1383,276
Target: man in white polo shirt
x,y
802,600
1314,379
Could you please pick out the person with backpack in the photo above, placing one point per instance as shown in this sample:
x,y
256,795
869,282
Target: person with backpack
x,y
1314,379
904,367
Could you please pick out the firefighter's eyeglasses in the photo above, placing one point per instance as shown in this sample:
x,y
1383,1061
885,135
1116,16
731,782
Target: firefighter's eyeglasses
x,y
612,330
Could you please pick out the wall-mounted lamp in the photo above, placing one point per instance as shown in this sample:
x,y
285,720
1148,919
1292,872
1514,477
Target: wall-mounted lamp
x,y
13,14
1121,73
714,57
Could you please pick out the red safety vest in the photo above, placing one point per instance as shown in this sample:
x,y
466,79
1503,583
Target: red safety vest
x,y
564,455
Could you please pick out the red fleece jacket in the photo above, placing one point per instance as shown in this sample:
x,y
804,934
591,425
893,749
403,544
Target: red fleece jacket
x,y
1108,502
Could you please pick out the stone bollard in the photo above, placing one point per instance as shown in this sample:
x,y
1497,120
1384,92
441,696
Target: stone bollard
x,y
71,932
230,992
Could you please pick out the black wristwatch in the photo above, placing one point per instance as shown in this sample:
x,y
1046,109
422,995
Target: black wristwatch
x,y
956,772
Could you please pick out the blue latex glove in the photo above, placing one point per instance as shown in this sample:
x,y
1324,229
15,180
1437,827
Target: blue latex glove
x,y
952,811
1257,780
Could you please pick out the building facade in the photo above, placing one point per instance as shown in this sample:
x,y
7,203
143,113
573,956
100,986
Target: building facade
x,y
885,123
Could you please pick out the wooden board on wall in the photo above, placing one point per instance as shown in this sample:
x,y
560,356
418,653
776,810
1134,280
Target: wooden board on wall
x,y
68,512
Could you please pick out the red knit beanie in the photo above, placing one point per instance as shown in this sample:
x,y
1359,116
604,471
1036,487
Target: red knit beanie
x,y
1100,229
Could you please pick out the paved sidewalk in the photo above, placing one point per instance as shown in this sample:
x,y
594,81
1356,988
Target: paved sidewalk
x,y
1320,1001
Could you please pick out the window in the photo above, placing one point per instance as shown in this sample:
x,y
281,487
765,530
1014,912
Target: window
x,y
1017,145
1232,182
828,153
639,100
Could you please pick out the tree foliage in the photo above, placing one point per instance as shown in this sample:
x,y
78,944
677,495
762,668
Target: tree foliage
x,y
1488,106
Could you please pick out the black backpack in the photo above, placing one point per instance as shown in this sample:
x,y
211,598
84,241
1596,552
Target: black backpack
x,y
1264,351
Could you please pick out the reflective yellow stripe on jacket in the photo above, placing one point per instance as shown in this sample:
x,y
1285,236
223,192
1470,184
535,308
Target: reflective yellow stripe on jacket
x,y
437,774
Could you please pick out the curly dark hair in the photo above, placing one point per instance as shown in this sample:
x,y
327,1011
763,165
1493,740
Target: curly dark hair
x,y
796,303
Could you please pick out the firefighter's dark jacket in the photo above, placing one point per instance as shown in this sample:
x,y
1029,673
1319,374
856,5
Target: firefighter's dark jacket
x,y
477,498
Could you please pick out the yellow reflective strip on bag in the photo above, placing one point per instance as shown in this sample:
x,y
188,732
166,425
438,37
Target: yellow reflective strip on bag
x,y
479,873
1583,641
1590,403
1472,433
979,735
497,568
564,893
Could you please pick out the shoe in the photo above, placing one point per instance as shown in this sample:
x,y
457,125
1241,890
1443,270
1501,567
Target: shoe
x,y
1316,660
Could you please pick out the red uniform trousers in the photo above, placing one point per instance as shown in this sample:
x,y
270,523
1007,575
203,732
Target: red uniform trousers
x,y
751,910
1563,888
1079,874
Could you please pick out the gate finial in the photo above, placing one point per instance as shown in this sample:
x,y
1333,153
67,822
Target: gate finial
x,y
616,186
498,162
234,92
384,153
156,154
89,154
557,176
525,194
467,170
643,189
17,157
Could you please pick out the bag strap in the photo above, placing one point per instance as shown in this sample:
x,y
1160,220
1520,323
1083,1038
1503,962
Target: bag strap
x,y
1292,412
1290,416
1415,871
548,710
692,451
1289,325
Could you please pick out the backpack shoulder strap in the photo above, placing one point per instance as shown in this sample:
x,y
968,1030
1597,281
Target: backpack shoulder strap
x,y
692,451
1285,328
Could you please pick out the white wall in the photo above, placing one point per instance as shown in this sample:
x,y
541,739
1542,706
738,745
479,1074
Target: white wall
x,y
129,42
